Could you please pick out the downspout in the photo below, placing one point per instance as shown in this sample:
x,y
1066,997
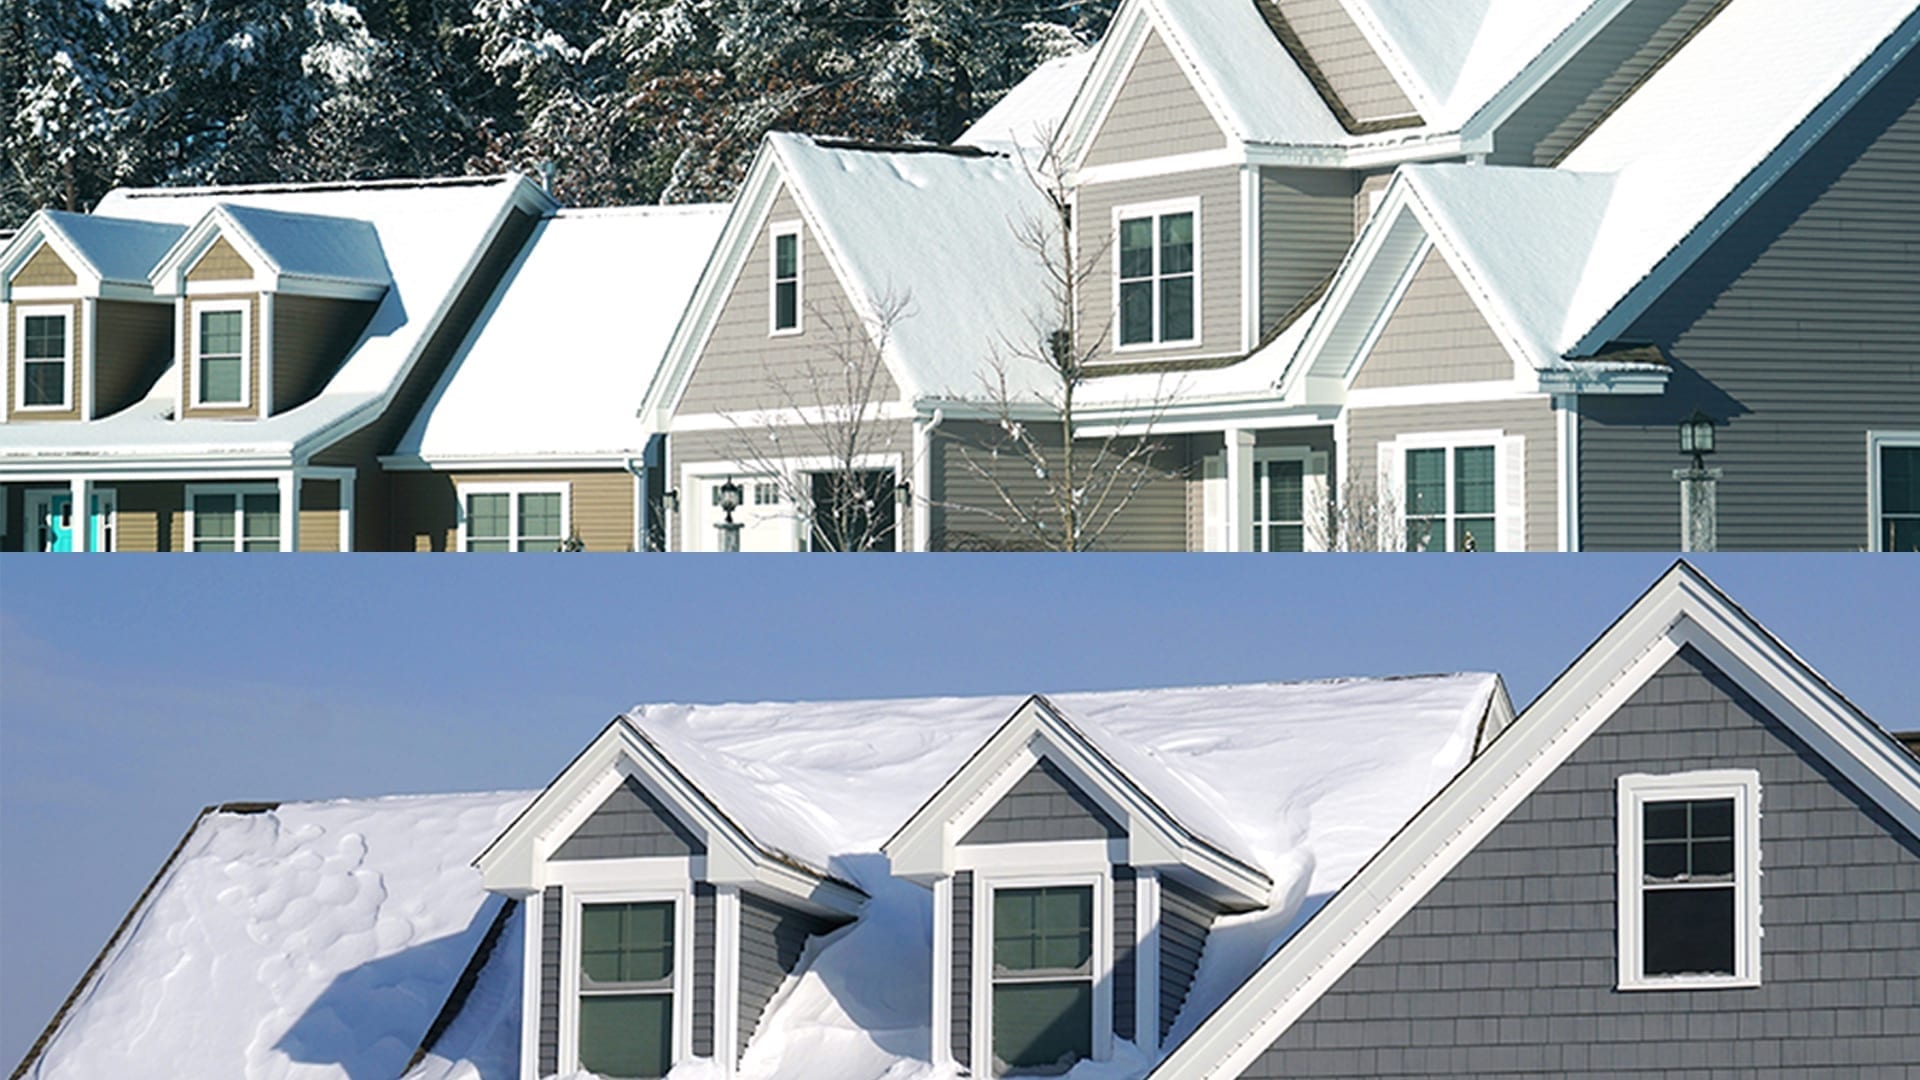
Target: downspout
x,y
642,513
923,479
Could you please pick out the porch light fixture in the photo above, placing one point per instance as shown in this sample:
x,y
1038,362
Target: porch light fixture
x,y
1696,437
670,500
730,494
903,491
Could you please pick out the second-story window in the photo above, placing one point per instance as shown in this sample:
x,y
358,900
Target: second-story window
x,y
220,355
1042,977
786,279
46,359
626,989
1450,499
1157,260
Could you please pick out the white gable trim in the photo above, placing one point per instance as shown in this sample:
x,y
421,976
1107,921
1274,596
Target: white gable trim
x,y
1119,51
169,276
1682,608
40,229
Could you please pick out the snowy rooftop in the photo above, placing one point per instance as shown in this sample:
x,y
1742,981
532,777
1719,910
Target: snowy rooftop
x,y
1452,56
120,250
570,385
312,245
1032,111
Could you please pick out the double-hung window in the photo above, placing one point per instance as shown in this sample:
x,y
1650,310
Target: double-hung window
x,y
785,302
1895,461
220,354
1042,977
1157,253
234,518
513,517
46,358
1450,499
1279,504
1689,896
626,988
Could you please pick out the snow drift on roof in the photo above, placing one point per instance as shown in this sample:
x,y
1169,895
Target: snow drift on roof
x,y
316,939
1453,55
312,245
1032,111
572,338
1255,82
120,250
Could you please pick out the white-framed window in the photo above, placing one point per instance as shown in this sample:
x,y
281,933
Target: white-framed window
x,y
514,517
1279,503
45,372
1893,465
1043,953
1456,491
1689,880
1157,274
233,517
783,304
221,353
1289,484
626,982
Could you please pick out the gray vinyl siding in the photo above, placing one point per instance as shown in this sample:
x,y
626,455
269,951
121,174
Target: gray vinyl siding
x,y
704,955
1218,304
959,1037
1045,804
747,444
1353,70
962,497
1126,949
1306,227
1155,113
772,939
744,366
1507,968
1799,332
1436,335
1595,79
1530,417
1186,917
630,823
133,346
551,908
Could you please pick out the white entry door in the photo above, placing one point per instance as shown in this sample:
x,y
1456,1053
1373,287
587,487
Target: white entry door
x,y
768,521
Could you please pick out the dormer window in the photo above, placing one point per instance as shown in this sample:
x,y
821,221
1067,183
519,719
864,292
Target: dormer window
x,y
1042,978
220,354
786,278
46,358
1157,252
626,988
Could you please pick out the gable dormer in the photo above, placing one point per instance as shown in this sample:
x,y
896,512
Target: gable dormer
x,y
269,304
657,931
1070,907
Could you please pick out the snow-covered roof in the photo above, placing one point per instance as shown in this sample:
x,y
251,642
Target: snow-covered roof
x,y
430,233
311,245
1032,111
1250,77
119,250
559,361
1452,56
312,939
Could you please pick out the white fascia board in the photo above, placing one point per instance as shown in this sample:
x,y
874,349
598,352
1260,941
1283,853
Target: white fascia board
x,y
1597,379
1389,224
1682,608
169,276
327,288
41,229
1370,154
506,463
1257,413
1480,127
185,464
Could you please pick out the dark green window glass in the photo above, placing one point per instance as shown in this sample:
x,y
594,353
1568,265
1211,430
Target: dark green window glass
x,y
1136,312
487,525
221,357
540,521
626,1035
1042,1026
260,522
1900,498
626,988
1687,904
786,281
43,354
1176,309
1176,244
213,522
1426,500
45,337
1043,976
1136,248
626,943
1278,521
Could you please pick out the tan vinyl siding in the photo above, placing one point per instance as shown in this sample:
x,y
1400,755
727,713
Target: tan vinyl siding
x,y
45,267
248,408
426,506
694,448
311,336
221,262
1155,519
1532,418
76,322
320,515
151,515
1799,331
1352,68
1306,227
134,348
745,366
1219,230
1156,112
1436,335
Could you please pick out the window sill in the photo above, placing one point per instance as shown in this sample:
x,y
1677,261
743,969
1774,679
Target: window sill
x,y
1689,982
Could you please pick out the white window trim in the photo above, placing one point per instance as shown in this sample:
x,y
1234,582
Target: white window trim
x,y
577,897
1509,480
67,361
238,491
1877,441
775,231
513,491
245,308
1157,210
984,884
1634,791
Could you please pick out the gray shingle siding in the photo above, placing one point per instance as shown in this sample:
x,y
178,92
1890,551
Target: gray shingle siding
x,y
550,916
1044,805
1185,919
962,983
772,939
1799,333
631,823
1125,950
703,967
1507,968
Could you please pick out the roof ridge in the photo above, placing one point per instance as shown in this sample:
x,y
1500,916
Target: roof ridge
x,y
318,186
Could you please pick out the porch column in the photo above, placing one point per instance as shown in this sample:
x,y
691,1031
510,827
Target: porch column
x,y
82,516
1240,488
290,511
346,510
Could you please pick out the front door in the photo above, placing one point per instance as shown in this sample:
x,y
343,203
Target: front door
x,y
50,520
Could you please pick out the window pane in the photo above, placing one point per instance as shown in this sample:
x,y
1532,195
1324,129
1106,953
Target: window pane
x,y
786,305
1665,860
1473,480
540,516
1426,482
486,520
220,379
626,1035
213,521
1664,820
1285,488
1286,538
45,337
1176,309
260,515
786,256
1136,248
1041,1024
626,943
1136,312
1473,534
220,333
1900,498
46,383
1048,929
1176,244
1688,931
1426,534
1711,817
1903,534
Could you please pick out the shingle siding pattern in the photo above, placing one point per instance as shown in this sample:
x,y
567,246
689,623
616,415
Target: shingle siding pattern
x,y
1186,917
1507,968
1156,112
1125,950
1045,804
551,907
772,939
703,968
962,970
1798,331
630,824
1435,335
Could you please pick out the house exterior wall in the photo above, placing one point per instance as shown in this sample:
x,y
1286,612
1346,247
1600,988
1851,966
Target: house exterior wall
x,y
45,267
1219,226
1435,335
249,407
630,823
1306,227
1045,804
311,336
1798,332
1530,417
319,515
552,914
1352,69
960,984
1186,918
76,320
134,347
1126,950
1370,187
220,262
743,366
885,438
1507,968
426,506
772,939
1155,112
705,955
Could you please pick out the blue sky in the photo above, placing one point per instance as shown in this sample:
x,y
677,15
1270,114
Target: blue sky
x,y
135,690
